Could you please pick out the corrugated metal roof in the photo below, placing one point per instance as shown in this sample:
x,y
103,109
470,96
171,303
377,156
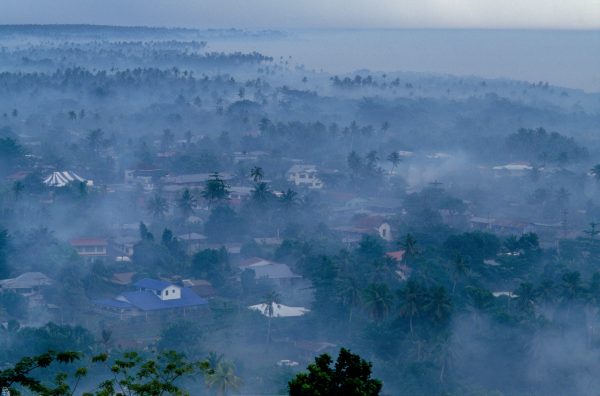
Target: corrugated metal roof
x,y
148,301
152,284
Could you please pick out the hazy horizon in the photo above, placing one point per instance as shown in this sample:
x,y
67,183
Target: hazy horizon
x,y
268,14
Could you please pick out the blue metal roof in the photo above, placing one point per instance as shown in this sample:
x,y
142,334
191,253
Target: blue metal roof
x,y
112,303
152,284
148,301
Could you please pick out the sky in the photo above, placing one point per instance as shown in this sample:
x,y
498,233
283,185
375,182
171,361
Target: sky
x,y
282,14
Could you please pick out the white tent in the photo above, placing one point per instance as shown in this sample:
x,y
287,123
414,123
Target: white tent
x,y
61,179
280,310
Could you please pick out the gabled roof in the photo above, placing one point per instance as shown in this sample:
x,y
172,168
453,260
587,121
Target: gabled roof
x,y
302,168
89,242
273,271
148,301
122,278
254,261
192,236
152,284
26,280
396,255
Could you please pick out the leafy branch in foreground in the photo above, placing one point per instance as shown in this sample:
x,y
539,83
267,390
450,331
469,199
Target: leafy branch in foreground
x,y
21,374
130,374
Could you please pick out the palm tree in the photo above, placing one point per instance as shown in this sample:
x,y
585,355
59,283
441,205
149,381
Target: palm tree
x,y
213,360
378,301
223,379
526,297
372,158
158,207
459,270
385,126
593,231
261,194
348,294
106,336
409,244
288,199
270,300
571,285
256,173
411,301
438,304
394,159
187,203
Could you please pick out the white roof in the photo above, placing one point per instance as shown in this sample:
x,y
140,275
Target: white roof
x,y
280,310
504,294
192,236
302,168
61,179
26,280
513,167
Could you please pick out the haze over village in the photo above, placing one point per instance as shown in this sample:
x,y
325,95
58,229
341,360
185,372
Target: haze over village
x,y
302,205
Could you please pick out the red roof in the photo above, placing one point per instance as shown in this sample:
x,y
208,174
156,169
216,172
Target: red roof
x,y
397,255
89,242
251,261
20,175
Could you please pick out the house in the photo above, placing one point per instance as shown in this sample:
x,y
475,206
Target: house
x,y
146,178
397,255
194,180
239,193
500,226
201,287
248,156
192,241
305,176
122,278
91,248
253,261
64,178
517,169
278,273
152,296
125,244
309,349
268,241
366,225
26,284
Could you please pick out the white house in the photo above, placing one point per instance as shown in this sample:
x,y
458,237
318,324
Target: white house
x,y
305,175
163,290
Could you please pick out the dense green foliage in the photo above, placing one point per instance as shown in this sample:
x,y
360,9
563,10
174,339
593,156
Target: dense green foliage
x,y
350,376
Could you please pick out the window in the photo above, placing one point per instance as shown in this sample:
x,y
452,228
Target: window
x,y
166,292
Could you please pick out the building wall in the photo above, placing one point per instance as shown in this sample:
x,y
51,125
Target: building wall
x,y
170,293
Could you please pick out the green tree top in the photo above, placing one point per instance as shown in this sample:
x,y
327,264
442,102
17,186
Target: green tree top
x,y
351,376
